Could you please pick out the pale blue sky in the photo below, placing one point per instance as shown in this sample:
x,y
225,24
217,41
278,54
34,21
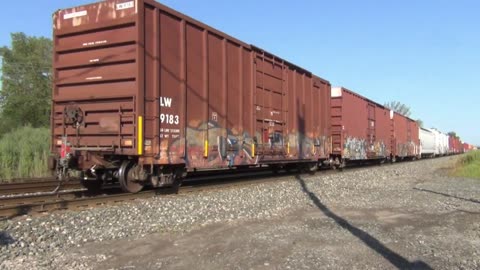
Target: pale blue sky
x,y
425,54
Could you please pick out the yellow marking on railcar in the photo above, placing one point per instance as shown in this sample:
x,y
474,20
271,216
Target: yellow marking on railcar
x,y
140,135
205,149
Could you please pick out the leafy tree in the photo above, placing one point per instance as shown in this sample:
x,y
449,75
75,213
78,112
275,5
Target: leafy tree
x,y
453,134
398,107
26,82
420,122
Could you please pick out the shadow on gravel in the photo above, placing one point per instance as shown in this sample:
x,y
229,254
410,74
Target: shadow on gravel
x,y
394,258
5,239
447,195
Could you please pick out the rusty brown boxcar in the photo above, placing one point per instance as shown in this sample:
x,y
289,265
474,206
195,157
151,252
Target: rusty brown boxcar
x,y
455,146
143,94
405,140
466,147
361,128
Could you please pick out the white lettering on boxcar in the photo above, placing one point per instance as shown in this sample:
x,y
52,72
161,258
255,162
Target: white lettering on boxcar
x,y
74,14
165,102
94,78
173,133
169,119
91,43
125,5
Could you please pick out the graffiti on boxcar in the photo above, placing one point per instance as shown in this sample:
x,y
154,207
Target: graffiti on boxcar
x,y
354,148
380,149
299,145
407,149
357,149
210,145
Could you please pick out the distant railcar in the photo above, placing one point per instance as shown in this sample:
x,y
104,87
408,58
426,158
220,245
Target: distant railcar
x,y
455,145
441,142
428,146
466,147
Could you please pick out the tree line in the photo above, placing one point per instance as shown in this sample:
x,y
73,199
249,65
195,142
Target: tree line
x,y
25,96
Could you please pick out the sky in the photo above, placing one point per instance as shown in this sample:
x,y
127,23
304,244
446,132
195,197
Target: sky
x,y
425,54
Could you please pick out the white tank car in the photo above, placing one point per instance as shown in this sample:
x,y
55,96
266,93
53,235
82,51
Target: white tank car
x,y
441,142
428,146
445,143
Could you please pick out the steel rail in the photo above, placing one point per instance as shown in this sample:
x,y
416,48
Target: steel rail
x,y
191,185
40,186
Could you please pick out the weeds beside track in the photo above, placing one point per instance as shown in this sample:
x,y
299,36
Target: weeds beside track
x,y
468,165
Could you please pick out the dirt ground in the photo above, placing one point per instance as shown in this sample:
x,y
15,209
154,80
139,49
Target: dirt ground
x,y
320,236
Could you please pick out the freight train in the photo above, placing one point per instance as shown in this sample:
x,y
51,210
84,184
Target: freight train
x,y
144,95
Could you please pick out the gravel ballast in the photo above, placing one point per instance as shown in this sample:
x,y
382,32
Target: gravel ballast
x,y
46,242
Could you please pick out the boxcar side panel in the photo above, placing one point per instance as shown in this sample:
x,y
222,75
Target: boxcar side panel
x,y
96,80
406,136
383,131
198,93
321,116
202,110
356,123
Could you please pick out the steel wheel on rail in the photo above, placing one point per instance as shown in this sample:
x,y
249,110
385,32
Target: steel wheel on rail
x,y
126,178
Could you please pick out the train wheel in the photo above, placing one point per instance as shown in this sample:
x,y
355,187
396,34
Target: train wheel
x,y
126,178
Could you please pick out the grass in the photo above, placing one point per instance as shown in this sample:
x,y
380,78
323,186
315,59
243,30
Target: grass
x,y
24,153
468,165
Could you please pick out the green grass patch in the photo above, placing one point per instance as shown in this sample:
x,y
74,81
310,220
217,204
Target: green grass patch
x,y
468,165
24,153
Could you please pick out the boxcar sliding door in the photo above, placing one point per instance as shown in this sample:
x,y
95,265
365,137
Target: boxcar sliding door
x,y
270,105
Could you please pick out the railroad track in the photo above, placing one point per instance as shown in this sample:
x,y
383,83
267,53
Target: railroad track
x,y
44,185
12,201
13,206
32,204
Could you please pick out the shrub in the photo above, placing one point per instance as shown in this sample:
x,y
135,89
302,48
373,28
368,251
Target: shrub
x,y
469,165
24,153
